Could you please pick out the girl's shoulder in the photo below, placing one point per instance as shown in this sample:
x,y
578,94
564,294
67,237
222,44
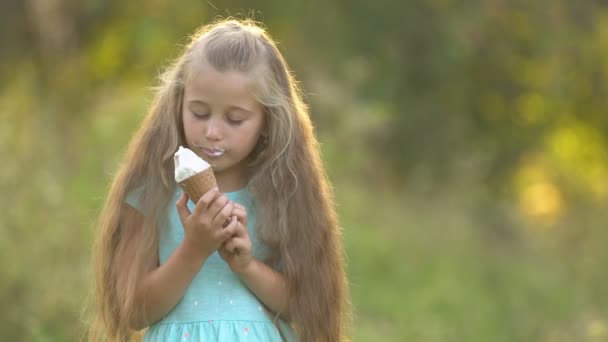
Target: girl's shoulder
x,y
133,197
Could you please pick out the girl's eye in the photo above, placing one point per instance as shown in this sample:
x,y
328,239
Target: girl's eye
x,y
234,122
200,116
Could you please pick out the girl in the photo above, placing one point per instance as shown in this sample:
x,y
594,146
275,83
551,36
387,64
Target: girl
x,y
275,271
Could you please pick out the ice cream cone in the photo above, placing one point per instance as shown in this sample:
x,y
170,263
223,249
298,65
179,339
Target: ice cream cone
x,y
198,184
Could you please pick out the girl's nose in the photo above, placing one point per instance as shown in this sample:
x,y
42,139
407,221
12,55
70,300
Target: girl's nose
x,y
213,130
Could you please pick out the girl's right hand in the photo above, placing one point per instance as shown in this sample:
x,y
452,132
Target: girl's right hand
x,y
203,228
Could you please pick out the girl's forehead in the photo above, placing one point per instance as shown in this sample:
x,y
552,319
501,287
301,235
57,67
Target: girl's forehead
x,y
231,87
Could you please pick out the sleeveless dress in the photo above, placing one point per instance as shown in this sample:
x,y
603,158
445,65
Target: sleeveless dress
x,y
217,306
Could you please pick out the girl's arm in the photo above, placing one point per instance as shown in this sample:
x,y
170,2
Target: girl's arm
x,y
163,287
266,283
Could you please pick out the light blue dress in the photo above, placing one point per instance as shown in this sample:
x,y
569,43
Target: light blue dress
x,y
217,306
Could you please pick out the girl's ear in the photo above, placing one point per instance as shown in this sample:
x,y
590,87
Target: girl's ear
x,y
264,139
265,131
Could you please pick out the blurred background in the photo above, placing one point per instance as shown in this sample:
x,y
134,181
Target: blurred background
x,y
466,140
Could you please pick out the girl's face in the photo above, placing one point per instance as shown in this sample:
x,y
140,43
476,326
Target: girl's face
x,y
222,120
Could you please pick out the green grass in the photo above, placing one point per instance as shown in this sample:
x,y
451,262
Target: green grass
x,y
421,272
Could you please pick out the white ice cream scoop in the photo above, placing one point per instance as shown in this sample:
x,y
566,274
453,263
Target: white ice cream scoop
x,y
187,164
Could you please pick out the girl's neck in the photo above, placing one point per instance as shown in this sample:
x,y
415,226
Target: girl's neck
x,y
230,182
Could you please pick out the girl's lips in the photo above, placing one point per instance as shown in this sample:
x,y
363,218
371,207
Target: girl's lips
x,y
213,152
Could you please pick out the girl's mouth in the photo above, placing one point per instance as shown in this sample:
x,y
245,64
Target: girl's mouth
x,y
213,152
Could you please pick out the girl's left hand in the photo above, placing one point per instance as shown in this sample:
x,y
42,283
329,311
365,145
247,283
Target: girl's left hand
x,y
236,251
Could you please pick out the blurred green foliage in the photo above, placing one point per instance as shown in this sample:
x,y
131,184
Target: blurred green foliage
x,y
467,141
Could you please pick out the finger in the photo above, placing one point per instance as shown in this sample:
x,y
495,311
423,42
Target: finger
x,y
230,246
241,230
227,222
223,252
182,208
205,201
229,231
236,245
240,213
223,215
217,205
238,209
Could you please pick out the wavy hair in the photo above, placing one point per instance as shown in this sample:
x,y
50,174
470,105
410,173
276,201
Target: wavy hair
x,y
296,214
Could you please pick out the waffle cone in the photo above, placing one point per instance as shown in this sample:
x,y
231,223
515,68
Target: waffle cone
x,y
198,184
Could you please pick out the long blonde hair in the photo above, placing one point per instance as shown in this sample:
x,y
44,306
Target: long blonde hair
x,y
296,216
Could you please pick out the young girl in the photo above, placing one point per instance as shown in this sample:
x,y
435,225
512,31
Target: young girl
x,y
257,258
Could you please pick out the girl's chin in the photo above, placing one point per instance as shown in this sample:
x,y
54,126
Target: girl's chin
x,y
217,167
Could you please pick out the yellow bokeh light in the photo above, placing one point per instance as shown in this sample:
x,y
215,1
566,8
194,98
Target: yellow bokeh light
x,y
597,329
542,201
577,151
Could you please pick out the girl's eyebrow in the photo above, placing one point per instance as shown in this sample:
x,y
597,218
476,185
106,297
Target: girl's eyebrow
x,y
231,107
199,102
